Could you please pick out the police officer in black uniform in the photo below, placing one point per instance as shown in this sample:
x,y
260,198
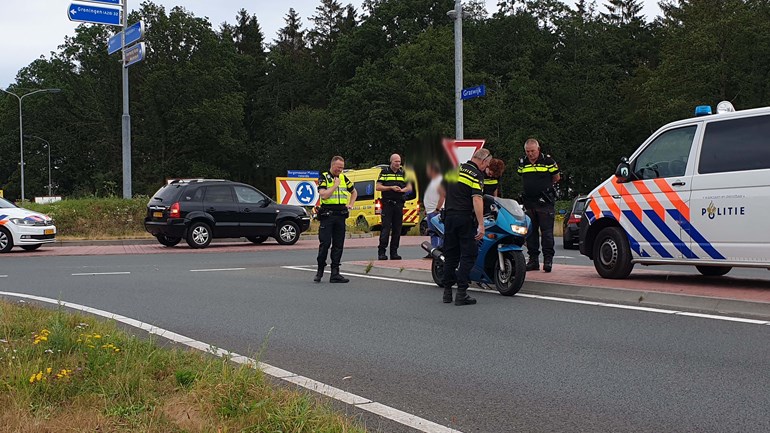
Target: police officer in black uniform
x,y
394,186
539,174
337,197
463,224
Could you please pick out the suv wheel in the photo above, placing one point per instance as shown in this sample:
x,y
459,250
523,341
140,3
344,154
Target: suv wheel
x,y
287,233
198,235
167,240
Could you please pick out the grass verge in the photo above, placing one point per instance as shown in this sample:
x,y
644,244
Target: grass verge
x,y
68,372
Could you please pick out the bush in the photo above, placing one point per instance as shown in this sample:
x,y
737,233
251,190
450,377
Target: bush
x,y
97,218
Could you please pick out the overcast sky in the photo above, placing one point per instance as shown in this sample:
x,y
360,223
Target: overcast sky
x,y
31,28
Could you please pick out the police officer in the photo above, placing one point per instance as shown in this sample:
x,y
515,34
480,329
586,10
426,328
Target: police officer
x,y
337,197
539,173
394,186
463,223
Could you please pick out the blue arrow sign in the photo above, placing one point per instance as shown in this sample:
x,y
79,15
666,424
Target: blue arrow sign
x,y
474,92
305,193
134,32
133,54
93,14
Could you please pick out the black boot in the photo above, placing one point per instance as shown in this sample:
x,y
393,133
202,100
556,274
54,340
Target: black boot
x,y
336,277
319,274
448,295
547,265
533,265
462,298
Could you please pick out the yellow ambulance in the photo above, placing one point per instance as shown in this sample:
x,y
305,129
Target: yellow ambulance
x,y
368,206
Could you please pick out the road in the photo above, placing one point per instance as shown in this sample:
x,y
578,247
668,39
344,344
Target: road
x,y
506,364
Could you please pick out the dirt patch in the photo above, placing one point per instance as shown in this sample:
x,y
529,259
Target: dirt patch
x,y
185,412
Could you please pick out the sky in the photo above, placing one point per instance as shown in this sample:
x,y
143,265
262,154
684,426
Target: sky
x,y
33,28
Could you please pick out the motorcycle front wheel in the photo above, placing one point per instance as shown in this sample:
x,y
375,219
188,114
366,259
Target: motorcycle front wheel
x,y
508,281
437,271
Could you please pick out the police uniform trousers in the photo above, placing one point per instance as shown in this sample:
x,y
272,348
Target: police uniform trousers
x,y
392,217
332,234
460,249
542,216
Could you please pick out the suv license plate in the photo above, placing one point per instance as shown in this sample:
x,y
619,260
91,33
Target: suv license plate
x,y
48,231
157,214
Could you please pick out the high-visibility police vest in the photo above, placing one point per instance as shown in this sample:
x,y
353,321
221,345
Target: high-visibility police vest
x,y
341,195
398,178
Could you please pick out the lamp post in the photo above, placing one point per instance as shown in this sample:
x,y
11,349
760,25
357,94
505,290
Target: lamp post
x,y
21,128
48,145
457,15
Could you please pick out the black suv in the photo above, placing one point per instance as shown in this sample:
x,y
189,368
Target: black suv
x,y
201,209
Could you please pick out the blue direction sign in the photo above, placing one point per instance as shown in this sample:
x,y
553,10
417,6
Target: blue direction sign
x,y
93,14
305,193
304,173
474,92
133,54
134,32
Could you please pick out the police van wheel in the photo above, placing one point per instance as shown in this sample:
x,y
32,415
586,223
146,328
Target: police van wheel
x,y
508,281
437,271
612,254
256,239
6,240
167,240
287,233
30,247
713,271
362,223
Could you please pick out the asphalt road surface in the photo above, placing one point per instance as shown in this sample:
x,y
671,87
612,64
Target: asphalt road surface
x,y
506,364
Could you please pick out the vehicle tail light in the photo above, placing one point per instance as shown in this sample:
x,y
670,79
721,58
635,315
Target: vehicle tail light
x,y
173,211
574,218
378,207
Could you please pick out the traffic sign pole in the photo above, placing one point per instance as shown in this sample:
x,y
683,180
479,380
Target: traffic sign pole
x,y
126,119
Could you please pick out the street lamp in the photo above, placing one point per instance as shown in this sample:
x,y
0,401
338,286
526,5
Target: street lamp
x,y
48,145
21,128
456,14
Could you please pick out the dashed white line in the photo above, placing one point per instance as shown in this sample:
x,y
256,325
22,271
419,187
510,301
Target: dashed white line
x,y
363,403
3,276
566,300
88,274
217,270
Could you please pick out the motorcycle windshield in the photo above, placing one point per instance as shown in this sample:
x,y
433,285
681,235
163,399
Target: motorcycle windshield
x,y
511,206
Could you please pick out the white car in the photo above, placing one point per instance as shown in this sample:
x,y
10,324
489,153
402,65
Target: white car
x,y
23,228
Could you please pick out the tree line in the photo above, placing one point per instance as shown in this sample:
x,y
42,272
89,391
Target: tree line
x,y
590,82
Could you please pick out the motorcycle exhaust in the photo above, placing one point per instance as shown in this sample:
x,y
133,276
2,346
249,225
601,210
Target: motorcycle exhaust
x,y
435,252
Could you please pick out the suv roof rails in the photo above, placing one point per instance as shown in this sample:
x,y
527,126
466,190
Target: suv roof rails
x,y
175,181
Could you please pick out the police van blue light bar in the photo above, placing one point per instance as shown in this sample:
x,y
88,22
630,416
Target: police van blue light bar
x,y
702,110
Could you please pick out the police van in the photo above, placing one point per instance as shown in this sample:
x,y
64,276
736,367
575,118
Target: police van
x,y
367,210
696,192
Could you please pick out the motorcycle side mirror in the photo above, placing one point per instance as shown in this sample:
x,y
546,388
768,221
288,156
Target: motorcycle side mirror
x,y
623,171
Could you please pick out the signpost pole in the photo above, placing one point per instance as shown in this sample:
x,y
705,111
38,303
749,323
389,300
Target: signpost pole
x,y
126,120
458,16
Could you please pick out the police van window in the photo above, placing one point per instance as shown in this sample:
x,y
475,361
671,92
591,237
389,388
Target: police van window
x,y
736,145
365,190
667,155
248,195
219,194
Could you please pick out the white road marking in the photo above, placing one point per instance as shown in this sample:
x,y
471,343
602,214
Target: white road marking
x,y
382,410
217,270
3,276
566,300
100,273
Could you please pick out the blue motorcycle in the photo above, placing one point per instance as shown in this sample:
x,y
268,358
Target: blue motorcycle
x,y
501,259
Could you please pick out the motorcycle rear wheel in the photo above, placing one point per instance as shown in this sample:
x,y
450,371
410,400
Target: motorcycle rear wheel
x,y
509,281
437,271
